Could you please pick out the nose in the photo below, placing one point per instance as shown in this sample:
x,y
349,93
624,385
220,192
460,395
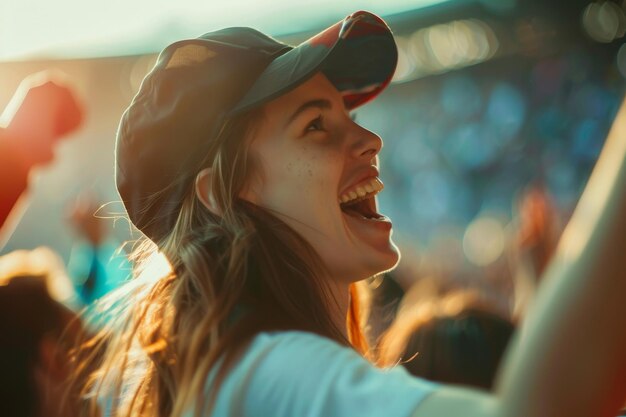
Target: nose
x,y
367,144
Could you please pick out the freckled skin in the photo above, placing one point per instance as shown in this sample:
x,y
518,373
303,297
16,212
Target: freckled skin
x,y
303,167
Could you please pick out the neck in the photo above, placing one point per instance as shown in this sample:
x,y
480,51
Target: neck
x,y
339,304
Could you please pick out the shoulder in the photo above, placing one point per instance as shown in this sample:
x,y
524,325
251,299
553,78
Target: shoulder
x,y
299,345
300,373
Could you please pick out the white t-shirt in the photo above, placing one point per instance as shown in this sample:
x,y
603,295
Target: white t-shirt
x,y
299,374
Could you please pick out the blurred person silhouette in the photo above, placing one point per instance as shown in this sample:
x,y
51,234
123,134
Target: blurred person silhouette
x,y
37,331
97,264
535,239
43,110
457,338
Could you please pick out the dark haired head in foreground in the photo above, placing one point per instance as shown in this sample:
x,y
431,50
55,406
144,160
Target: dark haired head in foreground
x,y
35,338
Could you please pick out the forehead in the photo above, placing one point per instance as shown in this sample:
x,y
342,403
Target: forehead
x,y
317,87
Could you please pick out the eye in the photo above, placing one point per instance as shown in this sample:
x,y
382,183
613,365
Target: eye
x,y
315,125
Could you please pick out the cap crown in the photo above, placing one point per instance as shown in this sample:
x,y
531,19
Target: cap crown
x,y
164,134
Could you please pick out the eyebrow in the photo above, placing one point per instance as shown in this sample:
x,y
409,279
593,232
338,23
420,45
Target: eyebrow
x,y
319,103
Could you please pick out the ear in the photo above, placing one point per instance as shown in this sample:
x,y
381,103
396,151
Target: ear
x,y
204,190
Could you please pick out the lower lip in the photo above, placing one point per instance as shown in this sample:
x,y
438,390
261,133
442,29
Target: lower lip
x,y
382,223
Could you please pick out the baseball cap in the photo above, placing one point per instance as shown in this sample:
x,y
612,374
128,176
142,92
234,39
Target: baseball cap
x,y
197,84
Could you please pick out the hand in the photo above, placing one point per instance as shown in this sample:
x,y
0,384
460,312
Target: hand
x,y
538,230
42,111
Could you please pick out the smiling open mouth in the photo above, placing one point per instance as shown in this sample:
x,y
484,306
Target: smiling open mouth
x,y
359,200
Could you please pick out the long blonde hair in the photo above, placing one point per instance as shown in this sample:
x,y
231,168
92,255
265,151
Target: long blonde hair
x,y
232,276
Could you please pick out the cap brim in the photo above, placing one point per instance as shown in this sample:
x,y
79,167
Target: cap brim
x,y
358,55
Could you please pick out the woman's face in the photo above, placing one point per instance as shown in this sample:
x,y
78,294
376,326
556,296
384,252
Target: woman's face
x,y
312,156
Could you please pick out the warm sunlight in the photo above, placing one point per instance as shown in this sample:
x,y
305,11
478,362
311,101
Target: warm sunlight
x,y
75,28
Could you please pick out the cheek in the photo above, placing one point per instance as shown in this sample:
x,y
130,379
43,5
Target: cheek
x,y
298,181
312,171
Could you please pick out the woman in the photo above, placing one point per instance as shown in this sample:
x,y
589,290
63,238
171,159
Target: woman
x,y
239,159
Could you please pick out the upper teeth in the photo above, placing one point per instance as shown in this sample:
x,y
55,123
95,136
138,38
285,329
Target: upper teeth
x,y
371,186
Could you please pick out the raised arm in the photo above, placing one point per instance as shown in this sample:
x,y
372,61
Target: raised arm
x,y
570,356
41,111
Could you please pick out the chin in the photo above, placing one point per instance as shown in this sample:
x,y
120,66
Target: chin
x,y
387,262
377,264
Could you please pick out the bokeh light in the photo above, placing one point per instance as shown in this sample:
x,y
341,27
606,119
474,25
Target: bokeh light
x,y
405,69
604,21
443,47
621,60
430,195
412,153
461,97
506,110
483,241
587,139
471,146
